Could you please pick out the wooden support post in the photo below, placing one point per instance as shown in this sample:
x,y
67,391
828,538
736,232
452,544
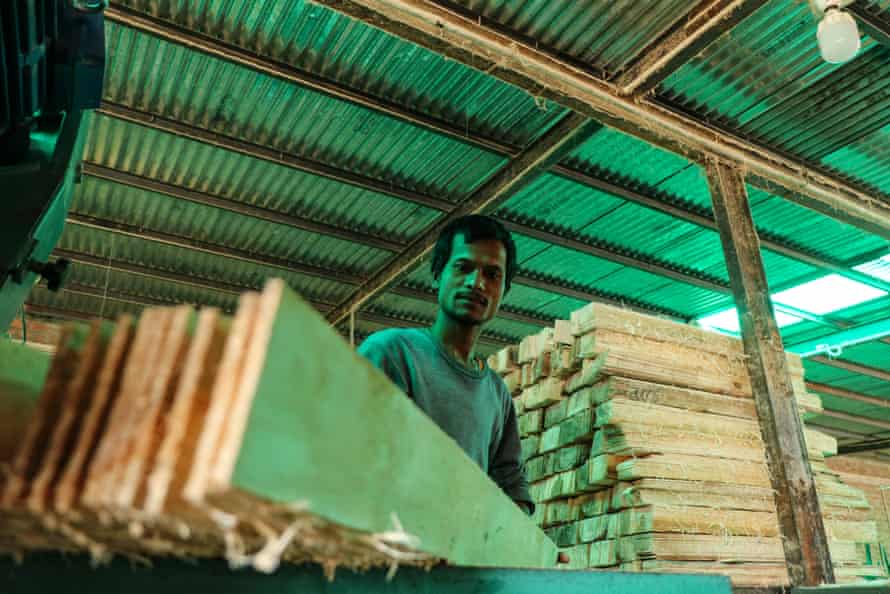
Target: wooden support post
x,y
800,519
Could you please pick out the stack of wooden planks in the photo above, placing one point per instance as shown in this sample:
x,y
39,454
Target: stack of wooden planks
x,y
259,438
644,450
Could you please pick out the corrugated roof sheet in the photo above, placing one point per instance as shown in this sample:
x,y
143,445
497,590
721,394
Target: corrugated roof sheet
x,y
84,305
193,165
766,81
603,34
172,81
114,202
192,263
766,59
866,160
327,44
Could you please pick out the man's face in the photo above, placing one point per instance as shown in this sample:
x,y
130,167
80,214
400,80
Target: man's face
x,y
472,282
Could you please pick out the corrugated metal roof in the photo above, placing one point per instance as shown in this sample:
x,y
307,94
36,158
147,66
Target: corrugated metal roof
x,y
866,160
764,60
114,202
763,80
808,230
173,81
193,165
766,81
67,301
603,34
320,41
195,264
640,163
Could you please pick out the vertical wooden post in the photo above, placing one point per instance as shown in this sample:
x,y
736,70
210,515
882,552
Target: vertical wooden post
x,y
800,519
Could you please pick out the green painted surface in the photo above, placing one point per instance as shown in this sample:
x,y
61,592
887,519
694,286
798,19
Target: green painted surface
x,y
328,428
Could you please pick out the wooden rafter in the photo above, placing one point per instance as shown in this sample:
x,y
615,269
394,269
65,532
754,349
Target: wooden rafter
x,y
507,58
701,27
518,172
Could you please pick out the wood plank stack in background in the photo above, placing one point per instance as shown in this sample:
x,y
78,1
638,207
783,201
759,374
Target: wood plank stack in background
x,y
258,438
645,454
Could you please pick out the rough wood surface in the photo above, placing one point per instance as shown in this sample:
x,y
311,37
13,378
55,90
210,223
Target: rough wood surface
x,y
797,504
105,391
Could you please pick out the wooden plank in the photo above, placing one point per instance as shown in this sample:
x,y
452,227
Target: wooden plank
x,y
148,426
95,421
99,484
694,468
598,316
315,403
190,406
698,520
676,397
708,547
806,547
135,403
69,423
643,440
618,411
28,458
656,491
221,398
666,363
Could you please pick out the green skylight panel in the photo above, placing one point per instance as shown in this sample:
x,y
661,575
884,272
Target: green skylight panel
x,y
827,294
728,320
879,268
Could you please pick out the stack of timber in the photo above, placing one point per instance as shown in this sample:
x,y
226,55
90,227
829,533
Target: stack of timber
x,y
260,438
644,451
871,475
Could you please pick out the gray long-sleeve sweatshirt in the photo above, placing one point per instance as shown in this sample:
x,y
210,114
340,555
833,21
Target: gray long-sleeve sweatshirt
x,y
472,406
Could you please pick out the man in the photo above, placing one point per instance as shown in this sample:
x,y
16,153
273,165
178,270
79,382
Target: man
x,y
473,263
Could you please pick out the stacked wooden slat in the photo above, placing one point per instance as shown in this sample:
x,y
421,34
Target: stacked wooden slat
x,y
645,454
259,438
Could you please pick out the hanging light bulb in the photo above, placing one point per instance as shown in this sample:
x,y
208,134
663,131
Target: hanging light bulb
x,y
837,34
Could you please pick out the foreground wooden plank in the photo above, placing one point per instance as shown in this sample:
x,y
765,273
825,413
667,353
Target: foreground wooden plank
x,y
27,461
327,428
76,402
102,399
190,405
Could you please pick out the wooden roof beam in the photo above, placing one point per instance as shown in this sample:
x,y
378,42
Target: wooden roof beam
x,y
517,63
685,39
877,29
848,394
224,142
853,367
856,419
518,172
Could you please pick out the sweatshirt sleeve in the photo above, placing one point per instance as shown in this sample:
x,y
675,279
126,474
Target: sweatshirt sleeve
x,y
507,469
382,352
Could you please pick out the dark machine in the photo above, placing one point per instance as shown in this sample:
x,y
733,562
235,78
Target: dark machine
x,y
52,60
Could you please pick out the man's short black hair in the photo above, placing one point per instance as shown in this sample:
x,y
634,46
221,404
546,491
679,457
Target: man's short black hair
x,y
474,228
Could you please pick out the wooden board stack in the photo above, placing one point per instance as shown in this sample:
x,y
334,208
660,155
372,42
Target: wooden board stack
x,y
644,451
192,434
